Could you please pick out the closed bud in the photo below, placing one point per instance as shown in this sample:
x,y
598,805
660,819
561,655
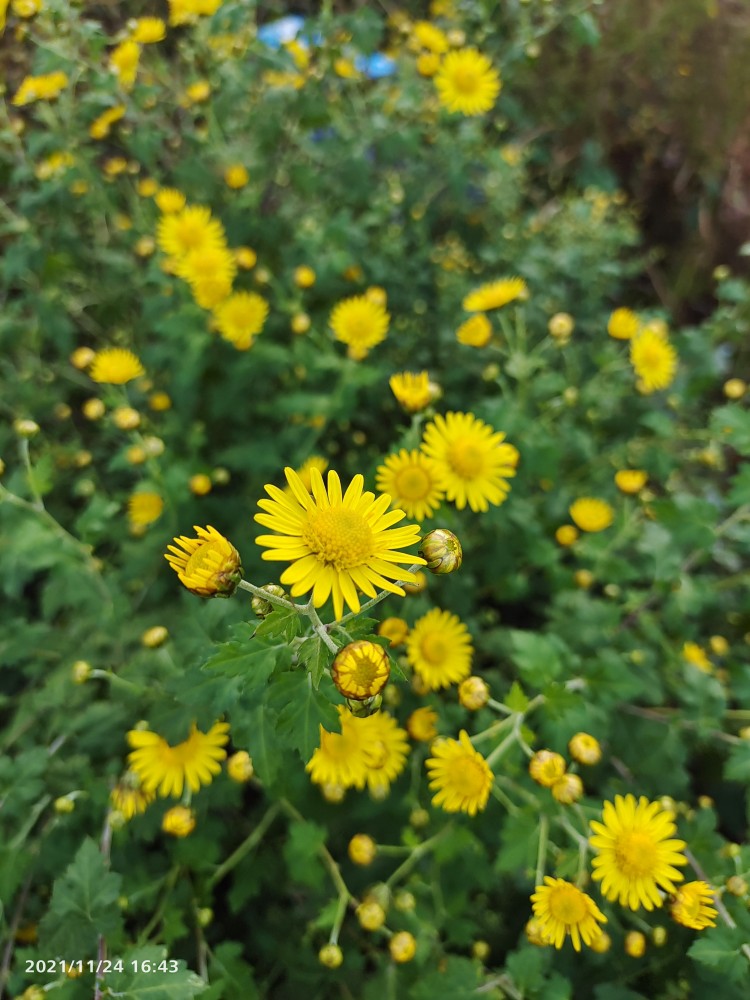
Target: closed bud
x,y
480,950
154,637
371,915
331,956
473,693
736,885
240,767
263,607
362,849
419,818
81,671
364,709
26,428
404,901
333,793
567,789
735,388
442,551
64,805
204,916
659,936
402,947
635,944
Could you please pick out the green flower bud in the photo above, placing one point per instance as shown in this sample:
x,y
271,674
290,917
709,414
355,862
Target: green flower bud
x,y
261,606
442,551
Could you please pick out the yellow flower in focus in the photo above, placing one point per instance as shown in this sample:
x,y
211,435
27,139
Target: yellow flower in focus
x,y
40,88
439,649
495,294
337,543
115,366
360,670
654,361
623,324
412,480
192,228
128,797
236,176
413,390
696,655
144,508
100,127
635,855
209,565
123,62
474,460
240,318
591,514
179,821
630,480
693,906
359,323
169,201
460,775
421,724
467,82
546,767
562,909
394,629
165,769
475,332
148,30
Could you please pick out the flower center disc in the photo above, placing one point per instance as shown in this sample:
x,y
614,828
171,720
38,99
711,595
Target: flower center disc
x,y
412,484
364,673
433,649
636,854
566,905
338,537
466,459
467,777
465,80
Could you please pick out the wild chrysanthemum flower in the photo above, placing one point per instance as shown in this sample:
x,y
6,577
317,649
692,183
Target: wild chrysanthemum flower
x,y
585,748
169,201
421,724
359,323
439,649
413,481
386,751
240,318
166,769
144,508
342,758
495,295
360,670
240,767
654,360
115,366
591,514
209,565
467,82
40,88
636,855
460,775
562,909
546,767
123,62
100,127
236,176
630,480
148,30
305,470
192,228
414,391
179,821
567,789
394,629
475,462
692,906
209,271
128,797
475,331
696,655
337,543
623,324
429,36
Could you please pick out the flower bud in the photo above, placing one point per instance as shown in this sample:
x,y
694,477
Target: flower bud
x,y
81,671
208,566
179,821
362,849
480,950
404,901
154,637
64,805
534,933
26,428
736,885
331,956
546,767
402,947
585,749
635,944
567,789
659,936
371,915
205,915
442,551
361,670
473,693
240,767
364,709
261,606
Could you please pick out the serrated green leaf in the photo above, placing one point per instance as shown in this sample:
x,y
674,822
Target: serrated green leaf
x,y
719,947
282,623
255,729
254,660
536,656
359,628
228,966
515,699
301,712
457,979
134,983
316,657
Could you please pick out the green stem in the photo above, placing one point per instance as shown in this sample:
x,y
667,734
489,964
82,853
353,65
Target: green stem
x,y
416,855
541,854
319,627
272,598
246,846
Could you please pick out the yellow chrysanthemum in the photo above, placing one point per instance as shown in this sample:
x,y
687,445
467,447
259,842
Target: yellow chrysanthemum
x,y
430,37
421,724
467,82
236,176
144,508
475,332
123,62
623,324
210,271
495,294
115,366
654,360
148,30
169,201
209,565
40,88
190,229
413,390
630,480
696,655
474,460
100,127
360,670
395,630
387,749
305,470
188,11
591,514
128,797
693,907
585,748
240,318
369,751
413,481
460,775
636,855
562,909
439,649
165,770
179,821
546,767
359,323
337,543
21,8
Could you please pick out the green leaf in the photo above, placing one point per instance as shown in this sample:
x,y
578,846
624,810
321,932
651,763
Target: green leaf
x,y
457,979
537,656
731,424
739,492
719,947
737,767
301,712
252,659
315,656
255,730
360,628
282,623
229,968
83,906
516,700
300,853
134,983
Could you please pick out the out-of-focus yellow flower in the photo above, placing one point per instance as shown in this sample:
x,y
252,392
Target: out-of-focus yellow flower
x,y
236,176
123,62
148,30
40,88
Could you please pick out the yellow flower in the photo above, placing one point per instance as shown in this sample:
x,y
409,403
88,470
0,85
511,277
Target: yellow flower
x,y
236,176
460,775
585,749
200,484
345,68
341,758
473,693
414,391
475,332
546,767
567,789
696,655
566,535
337,543
693,907
128,798
100,127
155,636
40,88
240,318
654,360
169,201
421,724
82,357
209,271
246,258
144,508
359,323
623,324
362,849
467,82
630,480
562,909
495,294
412,480
475,463
179,821
428,64
635,944
240,767
21,8
166,769
394,629
402,947
430,37
198,92
115,366
148,30
439,649
54,165
591,514
561,326
304,276
123,62
387,749
635,853
735,388
209,566
360,670
192,228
